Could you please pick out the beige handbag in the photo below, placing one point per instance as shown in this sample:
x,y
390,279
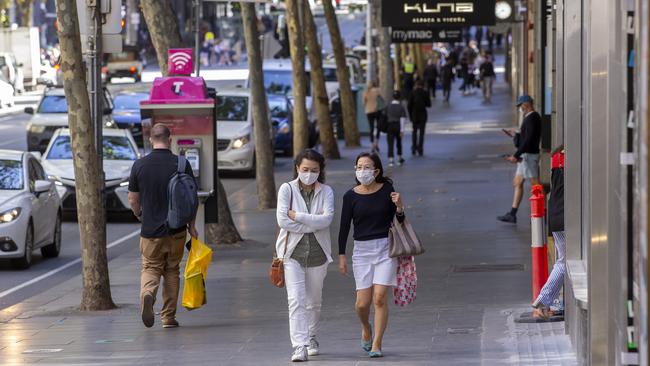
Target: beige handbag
x,y
402,240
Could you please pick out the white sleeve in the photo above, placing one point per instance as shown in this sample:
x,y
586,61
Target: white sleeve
x,y
322,220
284,195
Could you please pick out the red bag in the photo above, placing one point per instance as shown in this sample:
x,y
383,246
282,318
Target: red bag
x,y
407,281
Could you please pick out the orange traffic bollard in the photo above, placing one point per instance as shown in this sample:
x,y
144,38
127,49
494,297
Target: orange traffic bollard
x,y
538,239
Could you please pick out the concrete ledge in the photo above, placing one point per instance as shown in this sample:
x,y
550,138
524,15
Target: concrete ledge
x,y
577,274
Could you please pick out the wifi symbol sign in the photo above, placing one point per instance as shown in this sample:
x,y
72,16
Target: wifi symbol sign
x,y
180,61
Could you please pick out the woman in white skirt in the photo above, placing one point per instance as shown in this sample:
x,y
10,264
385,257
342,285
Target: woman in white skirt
x,y
371,207
304,213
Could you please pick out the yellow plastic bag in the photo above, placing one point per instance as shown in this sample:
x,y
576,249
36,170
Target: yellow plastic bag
x,y
196,271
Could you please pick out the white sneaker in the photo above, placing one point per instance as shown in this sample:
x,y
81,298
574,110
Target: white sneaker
x,y
299,354
390,162
312,350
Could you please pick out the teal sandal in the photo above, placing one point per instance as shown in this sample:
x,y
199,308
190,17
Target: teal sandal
x,y
375,354
367,345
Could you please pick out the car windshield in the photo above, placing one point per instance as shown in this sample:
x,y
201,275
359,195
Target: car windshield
x,y
129,101
53,104
231,108
329,74
115,148
277,82
123,56
11,174
278,108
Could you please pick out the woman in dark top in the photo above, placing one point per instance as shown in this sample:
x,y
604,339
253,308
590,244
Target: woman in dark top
x,y
371,206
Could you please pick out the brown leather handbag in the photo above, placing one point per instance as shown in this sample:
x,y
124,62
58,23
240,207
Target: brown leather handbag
x,y
276,271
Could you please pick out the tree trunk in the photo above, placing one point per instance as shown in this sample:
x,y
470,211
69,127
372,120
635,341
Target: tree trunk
x,y
163,29
225,231
350,128
297,50
261,124
385,63
321,102
96,293
419,59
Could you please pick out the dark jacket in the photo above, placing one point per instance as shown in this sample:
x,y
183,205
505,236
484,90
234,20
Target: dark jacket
x,y
487,69
418,104
431,72
447,74
531,133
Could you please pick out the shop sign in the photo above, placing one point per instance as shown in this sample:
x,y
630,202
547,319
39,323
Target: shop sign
x,y
425,35
410,13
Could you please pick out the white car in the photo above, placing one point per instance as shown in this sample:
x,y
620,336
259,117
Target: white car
x,y
235,142
120,152
30,210
6,94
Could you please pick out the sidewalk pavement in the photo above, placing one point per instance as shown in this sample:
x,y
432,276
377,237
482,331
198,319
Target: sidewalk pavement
x,y
474,278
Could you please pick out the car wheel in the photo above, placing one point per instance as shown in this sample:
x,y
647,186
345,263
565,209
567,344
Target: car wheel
x,y
252,172
26,260
53,250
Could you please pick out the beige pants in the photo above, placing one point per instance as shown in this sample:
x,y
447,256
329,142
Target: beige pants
x,y
162,257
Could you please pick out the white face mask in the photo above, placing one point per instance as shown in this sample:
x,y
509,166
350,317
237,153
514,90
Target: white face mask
x,y
365,177
308,178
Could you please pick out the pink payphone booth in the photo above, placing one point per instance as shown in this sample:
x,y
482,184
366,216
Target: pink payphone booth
x,y
182,103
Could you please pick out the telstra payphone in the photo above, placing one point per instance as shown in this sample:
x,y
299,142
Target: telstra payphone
x,y
182,103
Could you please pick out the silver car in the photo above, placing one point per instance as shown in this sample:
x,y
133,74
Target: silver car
x,y
30,209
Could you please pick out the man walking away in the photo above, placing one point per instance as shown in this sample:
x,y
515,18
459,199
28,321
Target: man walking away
x,y
487,78
527,155
396,116
373,105
431,76
161,247
446,78
417,108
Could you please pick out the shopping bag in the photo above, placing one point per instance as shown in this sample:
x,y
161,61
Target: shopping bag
x,y
407,281
196,271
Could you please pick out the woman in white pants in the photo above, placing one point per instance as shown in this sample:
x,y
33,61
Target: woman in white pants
x,y
305,210
371,207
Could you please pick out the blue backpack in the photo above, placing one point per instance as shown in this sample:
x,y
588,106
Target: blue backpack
x,y
182,197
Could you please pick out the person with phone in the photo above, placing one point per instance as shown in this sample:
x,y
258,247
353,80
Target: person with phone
x,y
526,156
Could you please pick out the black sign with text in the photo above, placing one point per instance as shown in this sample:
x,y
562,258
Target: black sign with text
x,y
425,35
414,13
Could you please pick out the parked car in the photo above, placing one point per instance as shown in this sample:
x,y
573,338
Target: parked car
x,y
281,111
126,112
120,152
123,64
6,94
52,114
30,210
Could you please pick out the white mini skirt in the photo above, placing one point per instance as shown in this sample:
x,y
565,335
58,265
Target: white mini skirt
x,y
371,264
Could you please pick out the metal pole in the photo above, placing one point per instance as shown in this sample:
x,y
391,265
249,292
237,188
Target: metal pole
x,y
197,36
95,81
369,68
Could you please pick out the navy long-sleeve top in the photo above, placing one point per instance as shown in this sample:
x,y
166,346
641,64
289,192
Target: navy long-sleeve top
x,y
372,215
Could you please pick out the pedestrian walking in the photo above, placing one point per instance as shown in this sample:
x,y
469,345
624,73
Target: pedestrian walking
x,y
161,247
417,108
431,77
527,155
487,78
551,290
304,212
396,117
373,104
371,206
446,78
408,76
